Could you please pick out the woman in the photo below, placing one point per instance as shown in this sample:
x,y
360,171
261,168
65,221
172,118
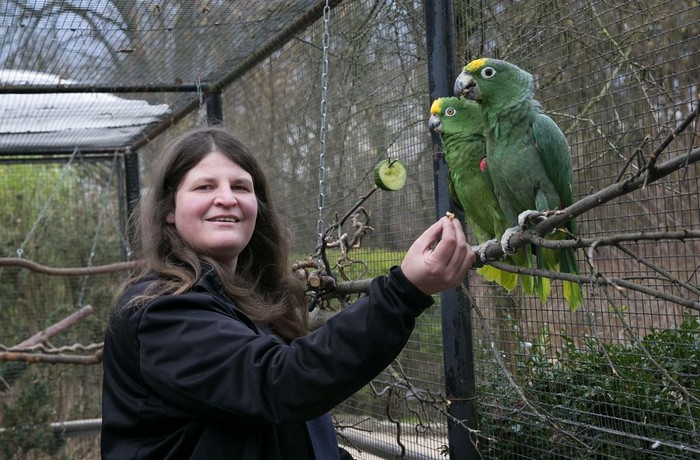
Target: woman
x,y
207,354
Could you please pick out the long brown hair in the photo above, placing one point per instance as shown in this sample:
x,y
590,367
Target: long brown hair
x,y
262,285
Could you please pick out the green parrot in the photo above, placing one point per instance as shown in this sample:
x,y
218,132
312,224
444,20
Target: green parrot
x,y
460,126
528,157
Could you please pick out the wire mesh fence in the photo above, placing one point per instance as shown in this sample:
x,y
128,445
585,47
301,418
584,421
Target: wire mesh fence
x,y
59,214
608,380
371,116
615,379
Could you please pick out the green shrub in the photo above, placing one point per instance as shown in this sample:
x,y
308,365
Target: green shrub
x,y
612,399
27,423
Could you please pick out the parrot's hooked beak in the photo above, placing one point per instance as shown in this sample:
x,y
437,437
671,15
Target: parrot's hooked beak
x,y
435,124
466,87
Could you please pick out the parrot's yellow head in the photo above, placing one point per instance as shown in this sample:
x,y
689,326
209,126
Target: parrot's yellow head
x,y
476,65
436,108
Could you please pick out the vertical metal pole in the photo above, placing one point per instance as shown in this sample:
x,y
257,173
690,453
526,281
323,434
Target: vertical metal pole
x,y
132,193
215,108
458,352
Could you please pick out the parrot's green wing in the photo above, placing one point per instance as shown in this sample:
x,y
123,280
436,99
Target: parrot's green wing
x,y
555,153
453,193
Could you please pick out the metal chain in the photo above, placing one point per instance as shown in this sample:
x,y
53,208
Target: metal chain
x,y
202,113
45,210
104,196
324,107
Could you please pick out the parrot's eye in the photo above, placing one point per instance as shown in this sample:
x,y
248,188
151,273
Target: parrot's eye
x,y
450,111
488,72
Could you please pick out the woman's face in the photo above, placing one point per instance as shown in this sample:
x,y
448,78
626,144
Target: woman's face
x,y
216,208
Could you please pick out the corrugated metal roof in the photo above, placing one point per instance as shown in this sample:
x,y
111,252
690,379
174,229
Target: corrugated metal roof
x,y
65,121
99,75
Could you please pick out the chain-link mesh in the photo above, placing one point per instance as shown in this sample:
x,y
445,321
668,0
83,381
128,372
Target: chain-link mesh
x,y
377,106
618,377
615,379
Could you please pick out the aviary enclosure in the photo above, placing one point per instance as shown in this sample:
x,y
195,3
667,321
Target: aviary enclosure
x,y
90,91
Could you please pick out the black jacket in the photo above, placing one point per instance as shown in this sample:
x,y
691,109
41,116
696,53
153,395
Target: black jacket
x,y
191,377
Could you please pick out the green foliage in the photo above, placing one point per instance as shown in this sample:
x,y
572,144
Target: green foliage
x,y
621,400
60,216
361,263
27,423
423,353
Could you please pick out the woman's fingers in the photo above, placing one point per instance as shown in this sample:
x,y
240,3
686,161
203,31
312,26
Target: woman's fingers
x,y
439,258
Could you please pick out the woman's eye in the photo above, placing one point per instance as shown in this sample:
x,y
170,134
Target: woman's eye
x,y
242,186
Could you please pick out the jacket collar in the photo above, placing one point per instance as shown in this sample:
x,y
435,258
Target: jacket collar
x,y
210,281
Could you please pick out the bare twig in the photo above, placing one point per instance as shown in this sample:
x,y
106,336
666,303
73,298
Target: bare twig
x,y
55,329
543,417
614,240
50,358
651,165
399,380
66,271
620,283
331,229
659,270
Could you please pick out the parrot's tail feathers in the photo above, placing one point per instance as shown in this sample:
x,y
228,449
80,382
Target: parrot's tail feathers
x,y
532,285
548,259
573,294
543,286
568,262
572,291
529,284
504,279
508,280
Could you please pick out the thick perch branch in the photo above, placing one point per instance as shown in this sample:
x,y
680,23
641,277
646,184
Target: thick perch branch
x,y
616,190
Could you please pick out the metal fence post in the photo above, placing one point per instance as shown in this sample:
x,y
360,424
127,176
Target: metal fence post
x,y
458,352
131,195
215,108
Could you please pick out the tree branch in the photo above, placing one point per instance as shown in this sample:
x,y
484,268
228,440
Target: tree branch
x,y
560,218
34,358
66,271
56,328
600,281
614,240
21,351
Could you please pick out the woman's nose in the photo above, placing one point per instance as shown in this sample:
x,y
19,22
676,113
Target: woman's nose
x,y
225,197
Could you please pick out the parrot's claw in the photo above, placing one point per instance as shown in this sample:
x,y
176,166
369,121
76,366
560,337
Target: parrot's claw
x,y
480,250
524,216
505,239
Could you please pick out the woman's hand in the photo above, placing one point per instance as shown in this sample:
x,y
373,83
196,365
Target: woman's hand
x,y
439,258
